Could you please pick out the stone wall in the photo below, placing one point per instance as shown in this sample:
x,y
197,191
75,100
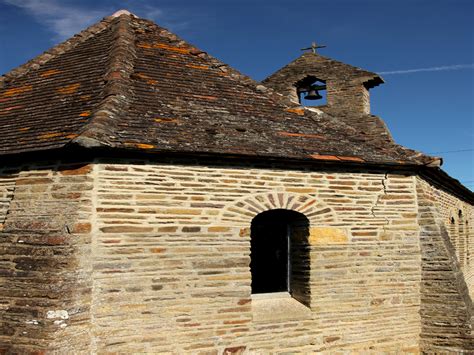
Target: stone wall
x,y
350,96
7,185
171,259
44,277
458,220
140,256
446,306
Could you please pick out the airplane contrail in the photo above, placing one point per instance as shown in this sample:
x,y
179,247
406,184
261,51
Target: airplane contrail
x,y
442,68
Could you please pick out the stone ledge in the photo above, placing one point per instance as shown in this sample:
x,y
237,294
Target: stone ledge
x,y
278,307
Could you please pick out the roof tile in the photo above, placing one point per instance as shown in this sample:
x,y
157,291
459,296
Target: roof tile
x,y
128,83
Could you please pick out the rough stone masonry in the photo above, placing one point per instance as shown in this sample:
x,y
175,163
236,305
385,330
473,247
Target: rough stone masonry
x,y
126,211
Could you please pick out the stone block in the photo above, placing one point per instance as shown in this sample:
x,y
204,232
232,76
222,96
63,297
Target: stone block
x,y
327,235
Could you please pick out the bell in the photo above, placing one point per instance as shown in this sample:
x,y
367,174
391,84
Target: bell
x,y
313,94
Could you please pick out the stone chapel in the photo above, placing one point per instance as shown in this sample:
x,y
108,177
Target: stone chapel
x,y
155,200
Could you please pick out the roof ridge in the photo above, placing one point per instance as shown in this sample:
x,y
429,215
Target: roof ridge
x,y
286,103
55,51
117,90
224,67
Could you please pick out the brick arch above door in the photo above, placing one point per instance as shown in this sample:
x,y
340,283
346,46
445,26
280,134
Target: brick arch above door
x,y
242,211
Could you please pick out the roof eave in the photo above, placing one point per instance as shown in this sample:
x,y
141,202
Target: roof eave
x,y
432,174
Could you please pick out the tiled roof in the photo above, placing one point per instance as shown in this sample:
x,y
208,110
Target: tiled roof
x,y
45,103
128,83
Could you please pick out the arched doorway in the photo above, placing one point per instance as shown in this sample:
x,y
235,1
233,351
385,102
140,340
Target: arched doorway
x,y
280,253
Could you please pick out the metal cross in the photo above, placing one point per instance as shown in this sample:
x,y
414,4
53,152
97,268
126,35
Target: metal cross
x,y
313,47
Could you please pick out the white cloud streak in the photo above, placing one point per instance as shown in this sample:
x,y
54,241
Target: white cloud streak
x,y
429,69
171,19
63,20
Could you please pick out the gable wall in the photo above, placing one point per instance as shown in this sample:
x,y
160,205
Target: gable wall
x,y
171,259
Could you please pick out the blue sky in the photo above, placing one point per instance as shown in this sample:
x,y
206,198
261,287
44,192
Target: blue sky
x,y
424,47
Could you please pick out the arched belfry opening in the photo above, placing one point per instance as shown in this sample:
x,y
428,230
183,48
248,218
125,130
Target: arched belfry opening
x,y
311,91
280,254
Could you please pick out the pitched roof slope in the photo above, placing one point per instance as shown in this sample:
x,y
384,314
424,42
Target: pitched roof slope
x,y
45,103
128,83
